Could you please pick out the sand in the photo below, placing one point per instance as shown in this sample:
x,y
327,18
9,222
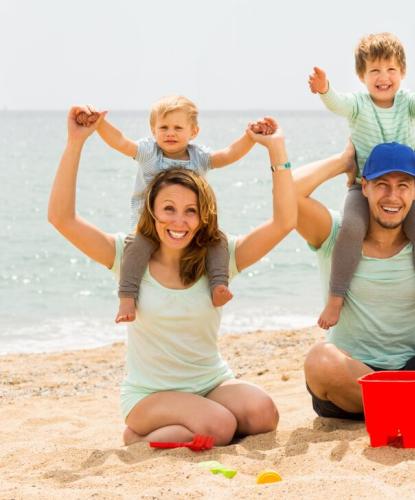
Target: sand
x,y
60,434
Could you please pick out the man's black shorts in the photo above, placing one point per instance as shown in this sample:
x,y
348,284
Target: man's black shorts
x,y
325,408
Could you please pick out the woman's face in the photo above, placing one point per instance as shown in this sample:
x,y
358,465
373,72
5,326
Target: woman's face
x,y
177,216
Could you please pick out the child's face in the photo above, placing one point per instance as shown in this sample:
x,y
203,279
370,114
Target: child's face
x,y
173,132
382,78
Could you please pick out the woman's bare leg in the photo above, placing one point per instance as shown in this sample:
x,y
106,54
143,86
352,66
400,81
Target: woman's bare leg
x,y
177,416
252,407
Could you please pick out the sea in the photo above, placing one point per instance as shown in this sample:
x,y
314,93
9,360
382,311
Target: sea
x,y
53,298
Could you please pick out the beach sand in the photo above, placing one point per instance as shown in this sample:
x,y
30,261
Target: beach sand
x,y
60,434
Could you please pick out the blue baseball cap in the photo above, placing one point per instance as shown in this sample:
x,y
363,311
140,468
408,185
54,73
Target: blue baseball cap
x,y
389,157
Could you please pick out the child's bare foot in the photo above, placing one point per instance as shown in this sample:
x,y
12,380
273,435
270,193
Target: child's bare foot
x,y
221,295
126,311
130,437
330,315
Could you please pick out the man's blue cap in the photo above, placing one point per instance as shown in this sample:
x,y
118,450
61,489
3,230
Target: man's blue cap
x,y
389,157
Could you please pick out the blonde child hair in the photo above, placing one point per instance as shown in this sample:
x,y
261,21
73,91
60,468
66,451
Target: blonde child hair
x,y
171,103
379,46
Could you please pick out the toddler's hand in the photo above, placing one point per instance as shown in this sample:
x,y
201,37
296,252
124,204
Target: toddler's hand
x,y
87,116
81,131
318,82
272,139
266,126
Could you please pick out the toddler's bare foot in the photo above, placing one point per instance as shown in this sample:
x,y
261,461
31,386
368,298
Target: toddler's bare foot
x,y
126,311
130,437
221,295
330,315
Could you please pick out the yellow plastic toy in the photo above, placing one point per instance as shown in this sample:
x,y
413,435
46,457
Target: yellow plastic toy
x,y
268,476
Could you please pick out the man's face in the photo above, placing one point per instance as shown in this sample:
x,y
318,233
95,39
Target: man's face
x,y
390,198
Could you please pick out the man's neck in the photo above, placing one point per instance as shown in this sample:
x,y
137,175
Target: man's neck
x,y
383,243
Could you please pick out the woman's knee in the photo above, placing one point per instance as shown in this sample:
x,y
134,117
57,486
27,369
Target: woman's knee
x,y
221,426
260,415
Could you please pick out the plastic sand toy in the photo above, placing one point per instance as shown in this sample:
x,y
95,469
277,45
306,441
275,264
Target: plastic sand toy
x,y
199,443
218,468
268,476
388,398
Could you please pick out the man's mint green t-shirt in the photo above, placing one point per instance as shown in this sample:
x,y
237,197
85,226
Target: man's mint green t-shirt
x,y
377,321
172,344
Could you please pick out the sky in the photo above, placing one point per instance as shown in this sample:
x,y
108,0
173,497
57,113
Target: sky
x,y
223,54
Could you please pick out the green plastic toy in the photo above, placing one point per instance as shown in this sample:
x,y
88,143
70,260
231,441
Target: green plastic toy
x,y
218,468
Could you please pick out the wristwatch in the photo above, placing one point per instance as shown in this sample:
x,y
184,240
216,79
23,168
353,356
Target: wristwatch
x,y
281,166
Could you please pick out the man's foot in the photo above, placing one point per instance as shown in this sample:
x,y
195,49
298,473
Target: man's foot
x,y
126,312
221,295
130,437
330,315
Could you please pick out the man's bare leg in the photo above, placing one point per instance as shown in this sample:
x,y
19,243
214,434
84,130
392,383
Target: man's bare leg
x,y
332,375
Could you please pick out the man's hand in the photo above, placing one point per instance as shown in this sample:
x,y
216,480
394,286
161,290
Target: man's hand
x,y
318,81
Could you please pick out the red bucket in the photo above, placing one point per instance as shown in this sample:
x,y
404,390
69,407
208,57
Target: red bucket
x,y
389,404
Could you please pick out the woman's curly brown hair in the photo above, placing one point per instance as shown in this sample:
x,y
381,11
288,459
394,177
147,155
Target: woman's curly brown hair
x,y
193,260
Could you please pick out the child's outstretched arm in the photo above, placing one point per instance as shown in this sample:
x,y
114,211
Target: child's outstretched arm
x,y
87,115
232,153
339,103
116,139
239,148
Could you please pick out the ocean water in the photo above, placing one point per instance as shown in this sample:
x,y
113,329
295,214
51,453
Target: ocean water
x,y
54,298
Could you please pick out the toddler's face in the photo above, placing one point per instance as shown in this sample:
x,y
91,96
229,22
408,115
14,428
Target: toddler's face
x,y
382,78
173,132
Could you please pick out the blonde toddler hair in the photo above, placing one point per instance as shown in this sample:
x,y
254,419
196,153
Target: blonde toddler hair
x,y
172,103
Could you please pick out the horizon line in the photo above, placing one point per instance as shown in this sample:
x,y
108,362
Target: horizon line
x,y
5,109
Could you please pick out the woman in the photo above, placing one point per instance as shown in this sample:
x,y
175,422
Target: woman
x,y
177,384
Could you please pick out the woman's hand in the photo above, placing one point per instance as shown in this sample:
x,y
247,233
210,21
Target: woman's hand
x,y
266,126
82,122
274,142
266,132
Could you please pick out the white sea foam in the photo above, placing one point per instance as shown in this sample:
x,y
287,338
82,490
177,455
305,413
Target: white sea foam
x,y
72,334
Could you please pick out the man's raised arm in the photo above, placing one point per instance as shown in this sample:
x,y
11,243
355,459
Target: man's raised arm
x,y
314,220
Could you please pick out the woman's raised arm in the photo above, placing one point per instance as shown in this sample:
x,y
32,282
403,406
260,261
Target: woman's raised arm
x,y
93,242
253,246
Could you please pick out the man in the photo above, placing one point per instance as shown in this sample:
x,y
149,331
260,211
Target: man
x,y
376,329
